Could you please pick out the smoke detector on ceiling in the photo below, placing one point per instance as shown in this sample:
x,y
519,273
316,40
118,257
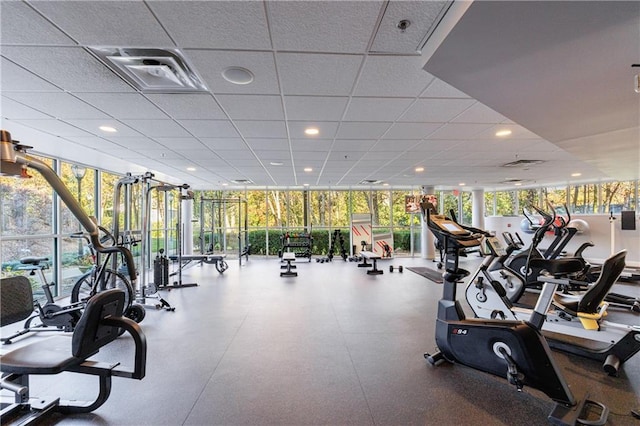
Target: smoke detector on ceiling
x,y
152,70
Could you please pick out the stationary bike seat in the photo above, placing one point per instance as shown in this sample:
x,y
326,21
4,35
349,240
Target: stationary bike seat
x,y
32,260
558,267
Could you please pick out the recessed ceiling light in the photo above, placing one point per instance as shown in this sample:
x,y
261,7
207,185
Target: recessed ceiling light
x,y
385,184
276,163
462,184
311,131
108,129
503,133
308,169
576,174
305,184
191,169
237,75
419,169
225,184
518,183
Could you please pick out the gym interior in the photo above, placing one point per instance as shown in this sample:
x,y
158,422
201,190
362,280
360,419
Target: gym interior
x,y
319,212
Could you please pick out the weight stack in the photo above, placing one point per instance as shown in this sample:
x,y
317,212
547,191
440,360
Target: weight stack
x,y
161,271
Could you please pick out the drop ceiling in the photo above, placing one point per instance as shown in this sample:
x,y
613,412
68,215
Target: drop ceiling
x,y
385,101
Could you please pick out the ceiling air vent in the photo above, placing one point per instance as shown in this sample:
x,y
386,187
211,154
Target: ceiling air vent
x,y
523,163
152,70
370,182
242,181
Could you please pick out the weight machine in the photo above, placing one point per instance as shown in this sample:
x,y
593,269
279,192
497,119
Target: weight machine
x,y
219,217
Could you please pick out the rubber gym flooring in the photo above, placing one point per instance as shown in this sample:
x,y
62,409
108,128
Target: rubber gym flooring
x,y
333,346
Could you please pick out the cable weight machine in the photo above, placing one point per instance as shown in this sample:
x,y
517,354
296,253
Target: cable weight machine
x,y
220,217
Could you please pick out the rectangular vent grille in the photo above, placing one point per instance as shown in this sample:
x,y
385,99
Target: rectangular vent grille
x,y
523,163
152,70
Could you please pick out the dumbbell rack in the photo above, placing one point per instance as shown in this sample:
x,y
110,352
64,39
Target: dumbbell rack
x,y
299,243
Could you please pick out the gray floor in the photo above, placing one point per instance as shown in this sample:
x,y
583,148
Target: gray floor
x,y
331,346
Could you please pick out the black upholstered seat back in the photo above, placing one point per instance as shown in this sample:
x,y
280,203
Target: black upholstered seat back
x,y
16,300
91,333
611,270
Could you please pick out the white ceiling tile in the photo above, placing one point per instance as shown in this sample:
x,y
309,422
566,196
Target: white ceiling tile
x,y
210,65
123,105
423,16
323,26
479,113
52,64
268,144
16,17
308,145
436,110
517,132
215,24
223,143
58,104
376,109
395,145
400,76
317,74
159,128
327,130
210,128
268,155
256,107
93,126
181,106
54,127
17,79
106,23
435,146
262,129
351,156
160,153
139,143
411,130
315,108
440,89
361,130
459,131
180,144
355,145
14,110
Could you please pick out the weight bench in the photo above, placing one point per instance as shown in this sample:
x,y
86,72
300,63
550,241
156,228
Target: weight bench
x,y
101,323
369,255
288,257
217,259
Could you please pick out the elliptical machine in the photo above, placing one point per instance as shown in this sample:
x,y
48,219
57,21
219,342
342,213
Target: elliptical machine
x,y
515,349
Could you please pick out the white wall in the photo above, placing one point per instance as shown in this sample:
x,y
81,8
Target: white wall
x,y
599,233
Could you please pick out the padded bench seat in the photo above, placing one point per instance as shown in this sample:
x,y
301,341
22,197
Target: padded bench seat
x,y
369,255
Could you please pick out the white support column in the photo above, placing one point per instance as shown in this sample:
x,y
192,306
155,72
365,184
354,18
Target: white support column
x,y
477,212
427,247
187,226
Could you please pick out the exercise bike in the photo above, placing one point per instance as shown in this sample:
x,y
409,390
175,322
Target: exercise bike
x,y
573,325
59,317
512,349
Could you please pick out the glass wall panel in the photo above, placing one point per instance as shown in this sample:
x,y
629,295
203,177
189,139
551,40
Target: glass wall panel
x,y
277,209
320,209
448,202
489,198
26,205
584,198
506,203
107,188
257,208
360,202
618,196
530,197
296,209
381,204
466,216
400,215
80,181
11,251
340,214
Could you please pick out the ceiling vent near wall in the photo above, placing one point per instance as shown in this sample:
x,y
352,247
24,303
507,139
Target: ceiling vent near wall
x,y
152,70
242,181
370,182
523,163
